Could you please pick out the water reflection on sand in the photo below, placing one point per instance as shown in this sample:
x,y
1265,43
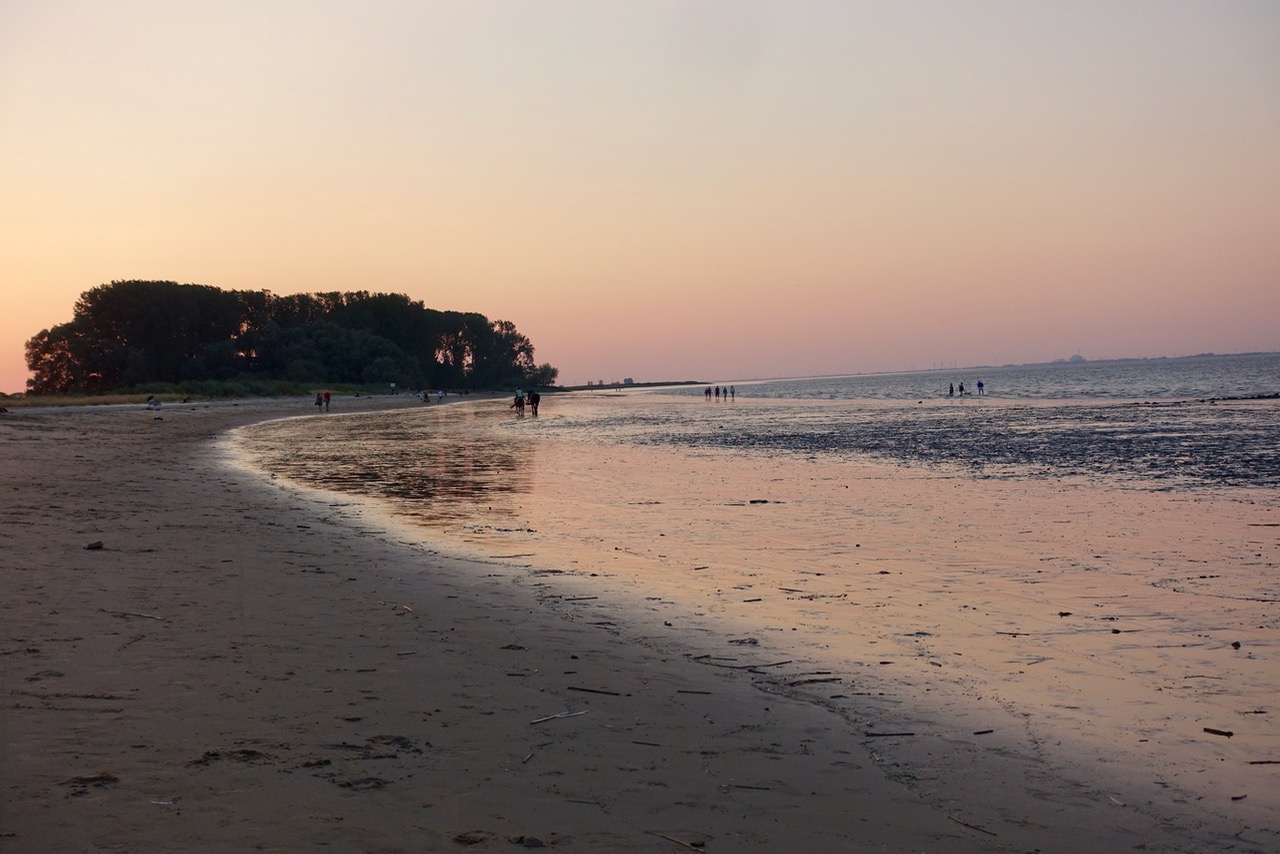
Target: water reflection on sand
x,y
1096,629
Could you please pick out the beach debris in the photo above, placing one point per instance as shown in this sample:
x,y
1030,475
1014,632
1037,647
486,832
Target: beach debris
x,y
1223,732
407,652
692,846
973,826
757,599
1238,797
581,598
472,837
526,841
1235,644
1264,761
102,778
647,743
812,681
96,545
242,755
407,608
594,691
161,802
45,674
363,784
514,646
889,735
690,691
558,716
983,732
1064,613
127,614
745,641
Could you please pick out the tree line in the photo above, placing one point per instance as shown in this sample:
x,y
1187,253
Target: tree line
x,y
130,334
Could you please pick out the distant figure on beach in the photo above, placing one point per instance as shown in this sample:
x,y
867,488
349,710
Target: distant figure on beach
x,y
717,392
962,389
980,388
708,392
951,390
518,404
440,396
319,401
153,402
733,393
326,401
534,399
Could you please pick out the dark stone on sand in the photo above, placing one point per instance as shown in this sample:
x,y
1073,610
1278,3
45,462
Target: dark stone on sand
x,y
94,546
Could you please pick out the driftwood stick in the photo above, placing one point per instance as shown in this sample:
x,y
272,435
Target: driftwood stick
x,y
133,614
679,842
973,826
594,691
558,716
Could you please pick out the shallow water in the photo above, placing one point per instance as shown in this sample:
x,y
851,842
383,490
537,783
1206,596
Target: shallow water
x,y
905,547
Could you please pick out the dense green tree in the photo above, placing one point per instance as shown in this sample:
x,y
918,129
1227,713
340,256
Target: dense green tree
x,y
130,333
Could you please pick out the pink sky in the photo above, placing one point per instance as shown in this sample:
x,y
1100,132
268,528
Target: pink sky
x,y
665,190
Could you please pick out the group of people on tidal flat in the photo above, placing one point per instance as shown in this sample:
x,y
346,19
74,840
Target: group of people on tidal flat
x,y
951,389
727,393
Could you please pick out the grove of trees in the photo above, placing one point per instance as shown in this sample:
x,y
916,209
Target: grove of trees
x,y
129,334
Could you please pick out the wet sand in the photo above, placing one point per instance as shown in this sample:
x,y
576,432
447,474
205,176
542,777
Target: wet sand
x,y
244,665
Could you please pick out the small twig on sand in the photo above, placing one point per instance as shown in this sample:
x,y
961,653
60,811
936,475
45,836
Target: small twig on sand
x,y
973,826
133,614
594,691
557,717
680,842
811,681
1226,732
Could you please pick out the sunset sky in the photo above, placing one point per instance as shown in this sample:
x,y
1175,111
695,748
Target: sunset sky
x,y
709,190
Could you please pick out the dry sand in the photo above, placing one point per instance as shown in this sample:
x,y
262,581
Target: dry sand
x,y
240,666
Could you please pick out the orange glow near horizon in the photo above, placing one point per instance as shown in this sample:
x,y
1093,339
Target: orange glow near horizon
x,y
721,190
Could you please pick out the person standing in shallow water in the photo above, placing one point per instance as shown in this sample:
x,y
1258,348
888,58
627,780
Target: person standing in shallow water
x,y
326,401
980,388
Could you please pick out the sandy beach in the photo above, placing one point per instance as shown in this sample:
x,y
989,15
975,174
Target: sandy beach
x,y
241,664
